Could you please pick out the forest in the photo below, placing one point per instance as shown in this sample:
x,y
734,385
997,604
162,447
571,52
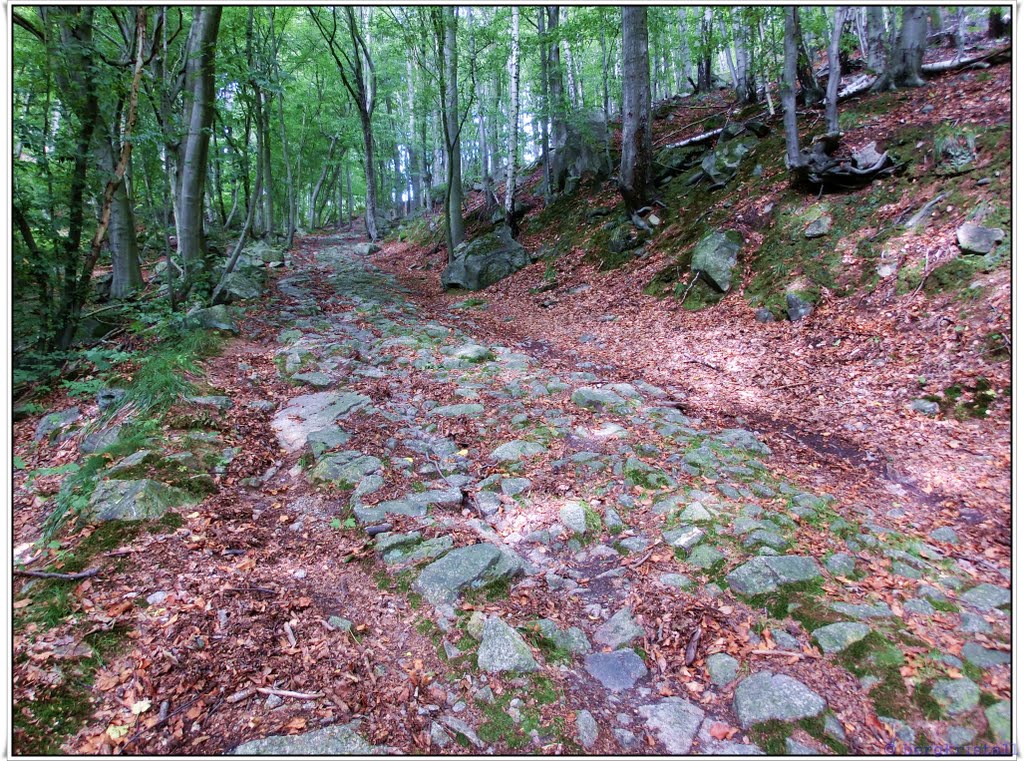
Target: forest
x,y
511,379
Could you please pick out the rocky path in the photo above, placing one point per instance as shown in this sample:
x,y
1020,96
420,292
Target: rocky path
x,y
462,550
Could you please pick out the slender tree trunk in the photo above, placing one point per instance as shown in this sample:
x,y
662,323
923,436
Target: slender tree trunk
x,y
320,181
958,35
124,246
832,91
996,27
788,93
559,129
199,94
903,68
451,54
414,156
874,32
635,169
513,133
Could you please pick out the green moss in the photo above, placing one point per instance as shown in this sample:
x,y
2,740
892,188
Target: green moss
x,y
890,696
945,606
815,727
771,736
802,601
544,690
923,699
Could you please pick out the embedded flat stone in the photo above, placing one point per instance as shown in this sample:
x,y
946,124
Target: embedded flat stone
x,y
999,720
683,537
337,740
572,639
618,630
675,722
503,649
984,657
766,574
313,412
134,500
457,410
986,597
956,696
513,451
596,398
765,696
617,671
835,638
722,668
442,581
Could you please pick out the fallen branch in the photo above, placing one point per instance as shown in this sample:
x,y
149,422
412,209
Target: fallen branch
x,y
691,648
289,693
51,575
784,653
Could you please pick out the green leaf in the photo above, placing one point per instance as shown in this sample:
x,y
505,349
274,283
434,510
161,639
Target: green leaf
x,y
19,464
335,523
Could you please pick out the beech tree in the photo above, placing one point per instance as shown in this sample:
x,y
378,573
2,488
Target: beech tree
x,y
635,167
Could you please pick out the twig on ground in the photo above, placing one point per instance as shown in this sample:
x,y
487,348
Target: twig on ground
x,y
289,693
65,576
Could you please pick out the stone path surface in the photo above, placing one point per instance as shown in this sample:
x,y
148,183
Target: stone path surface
x,y
601,573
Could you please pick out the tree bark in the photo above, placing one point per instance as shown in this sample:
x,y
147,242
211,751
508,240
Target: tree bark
x,y
513,132
874,32
635,168
559,130
788,92
193,153
451,54
832,91
903,68
320,181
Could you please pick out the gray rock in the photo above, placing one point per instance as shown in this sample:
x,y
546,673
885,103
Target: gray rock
x,y
676,580
796,308
684,537
107,398
596,398
484,261
586,729
1000,721
794,748
986,597
510,487
220,403
975,239
704,556
502,649
763,315
984,657
55,423
100,440
336,740
457,410
834,728
766,574
956,696
573,516
460,727
959,736
721,164
516,450
442,581
972,623
618,670
572,640
134,500
766,696
834,638
675,721
819,227
714,258
841,564
902,731
618,630
709,746
343,470
925,407
313,412
238,286
315,379
626,739
862,611
722,668
944,534
213,318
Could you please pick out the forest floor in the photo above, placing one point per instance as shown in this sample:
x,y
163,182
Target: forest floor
x,y
608,525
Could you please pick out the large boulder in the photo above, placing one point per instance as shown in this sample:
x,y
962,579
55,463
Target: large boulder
x,y
677,159
721,164
134,500
213,318
335,740
311,413
484,261
586,148
239,286
715,257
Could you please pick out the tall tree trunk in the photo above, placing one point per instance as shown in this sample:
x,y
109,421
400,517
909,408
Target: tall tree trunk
x,y
903,68
810,89
193,154
706,51
544,118
320,181
559,129
874,33
788,93
996,27
451,54
513,132
124,246
414,155
832,91
635,169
